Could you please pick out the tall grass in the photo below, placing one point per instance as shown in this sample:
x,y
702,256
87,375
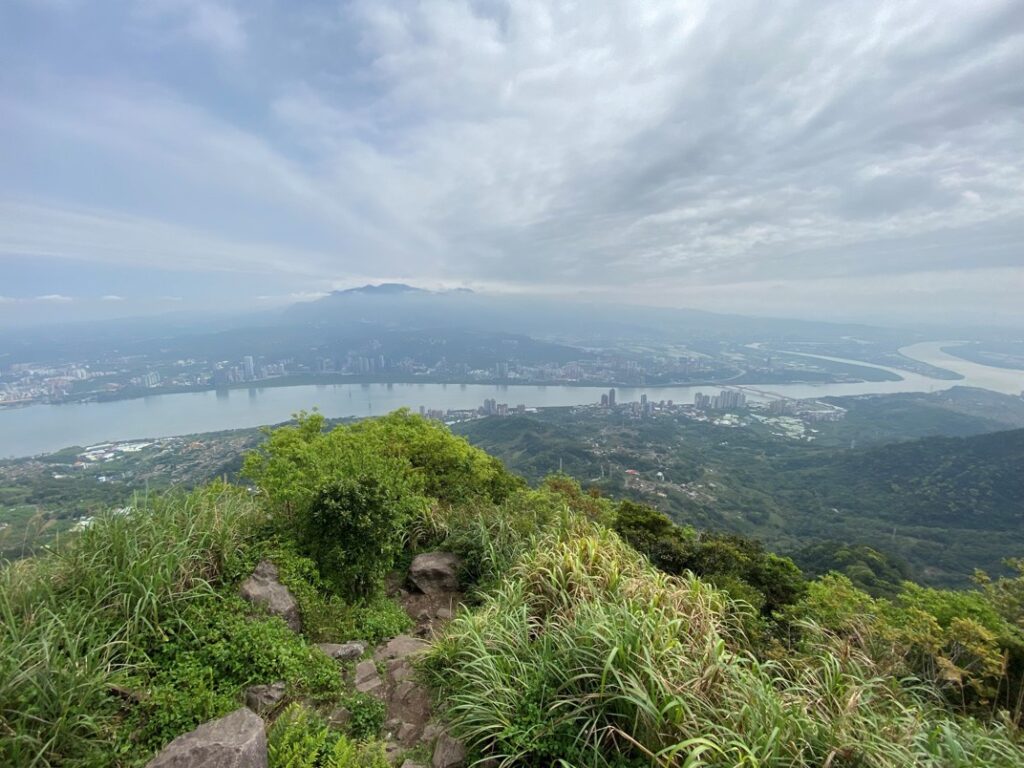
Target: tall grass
x,y
76,624
587,656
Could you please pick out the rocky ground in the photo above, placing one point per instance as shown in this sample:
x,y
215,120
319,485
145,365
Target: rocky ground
x,y
430,593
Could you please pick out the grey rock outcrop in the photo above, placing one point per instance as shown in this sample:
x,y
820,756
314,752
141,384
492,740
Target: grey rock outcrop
x,y
448,753
349,651
237,740
435,573
262,699
399,648
368,679
263,588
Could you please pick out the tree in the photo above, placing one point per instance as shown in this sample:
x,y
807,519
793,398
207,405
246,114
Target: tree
x,y
355,527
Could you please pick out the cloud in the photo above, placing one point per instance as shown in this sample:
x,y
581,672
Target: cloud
x,y
111,297
291,298
217,25
530,145
55,297
112,237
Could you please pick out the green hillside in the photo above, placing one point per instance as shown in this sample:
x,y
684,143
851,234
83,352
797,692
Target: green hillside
x,y
945,506
585,632
971,483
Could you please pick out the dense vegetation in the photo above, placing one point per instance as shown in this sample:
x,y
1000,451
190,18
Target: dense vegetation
x,y
598,632
941,506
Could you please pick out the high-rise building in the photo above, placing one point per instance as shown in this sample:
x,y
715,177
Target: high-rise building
x,y
249,366
604,399
611,396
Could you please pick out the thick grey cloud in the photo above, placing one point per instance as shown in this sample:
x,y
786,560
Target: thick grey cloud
x,y
740,155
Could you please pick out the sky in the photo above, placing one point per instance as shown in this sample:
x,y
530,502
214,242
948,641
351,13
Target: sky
x,y
832,160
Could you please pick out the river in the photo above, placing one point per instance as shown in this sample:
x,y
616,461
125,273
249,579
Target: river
x,y
46,428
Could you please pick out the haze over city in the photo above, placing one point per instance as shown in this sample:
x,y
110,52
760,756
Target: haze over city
x,y
855,161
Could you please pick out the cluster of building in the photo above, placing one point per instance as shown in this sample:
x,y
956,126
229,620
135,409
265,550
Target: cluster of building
x,y
108,451
491,407
225,374
602,369
148,380
352,365
810,411
640,409
726,400
28,383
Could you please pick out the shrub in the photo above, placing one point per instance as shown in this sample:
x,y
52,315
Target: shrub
x,y
202,671
354,529
298,460
300,738
587,656
448,467
734,563
80,625
368,713
956,641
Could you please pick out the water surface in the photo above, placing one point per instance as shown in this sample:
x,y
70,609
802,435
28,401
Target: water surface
x,y
46,428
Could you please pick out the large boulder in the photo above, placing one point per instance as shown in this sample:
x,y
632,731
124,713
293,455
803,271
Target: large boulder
x,y
448,753
349,651
263,588
435,573
263,699
234,741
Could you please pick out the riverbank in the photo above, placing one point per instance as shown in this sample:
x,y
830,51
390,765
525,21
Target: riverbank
x,y
46,428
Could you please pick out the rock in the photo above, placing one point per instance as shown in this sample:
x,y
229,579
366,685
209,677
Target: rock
x,y
407,733
339,717
234,741
448,753
399,648
430,732
263,588
262,699
444,613
349,651
411,764
399,670
368,679
392,752
402,690
434,573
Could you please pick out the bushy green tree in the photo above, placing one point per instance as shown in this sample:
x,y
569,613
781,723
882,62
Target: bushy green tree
x,y
955,640
447,466
877,573
348,495
732,562
354,528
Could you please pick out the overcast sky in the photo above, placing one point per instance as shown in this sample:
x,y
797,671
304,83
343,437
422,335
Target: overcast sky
x,y
855,160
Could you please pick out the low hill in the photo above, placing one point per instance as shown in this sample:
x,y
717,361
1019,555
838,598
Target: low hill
x,y
946,506
966,483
